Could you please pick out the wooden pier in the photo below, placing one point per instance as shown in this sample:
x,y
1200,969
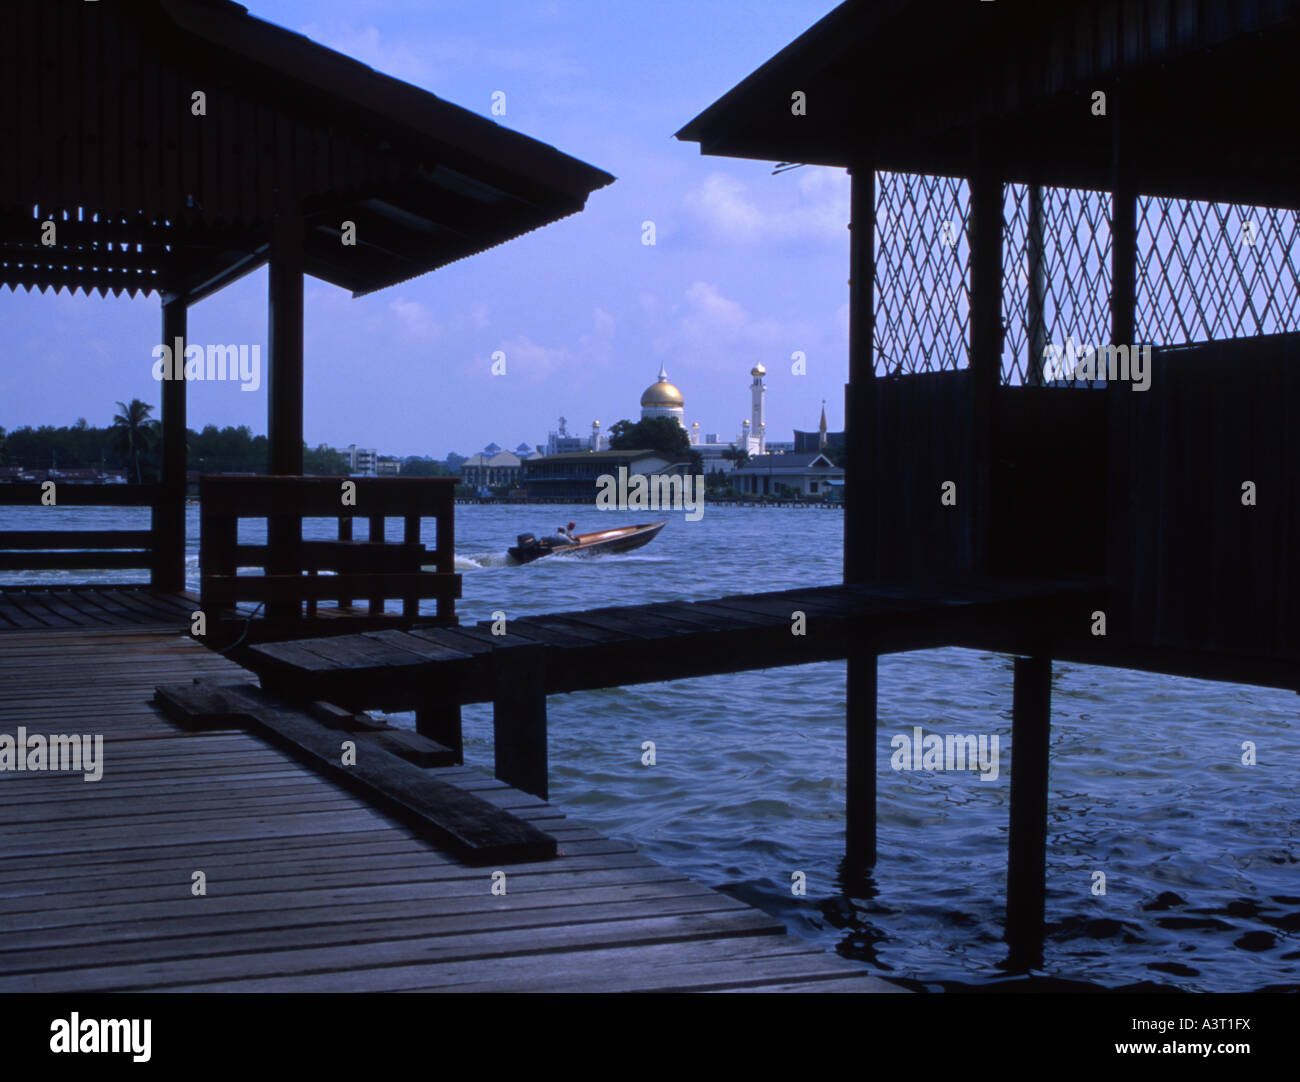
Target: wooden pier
x,y
308,887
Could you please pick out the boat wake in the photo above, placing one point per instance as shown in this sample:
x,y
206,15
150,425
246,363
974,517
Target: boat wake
x,y
477,561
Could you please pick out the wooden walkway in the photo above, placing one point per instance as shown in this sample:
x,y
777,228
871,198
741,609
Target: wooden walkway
x,y
34,607
308,887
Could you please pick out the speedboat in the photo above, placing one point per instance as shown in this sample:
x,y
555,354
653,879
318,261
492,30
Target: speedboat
x,y
618,539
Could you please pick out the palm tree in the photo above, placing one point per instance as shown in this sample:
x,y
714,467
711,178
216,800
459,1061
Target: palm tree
x,y
737,455
133,429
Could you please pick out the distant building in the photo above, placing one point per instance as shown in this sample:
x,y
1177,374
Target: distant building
x,y
821,440
560,442
388,467
491,470
574,476
362,459
804,474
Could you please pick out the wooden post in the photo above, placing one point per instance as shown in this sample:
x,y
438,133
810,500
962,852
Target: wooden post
x,y
986,196
169,514
1123,234
1027,846
860,775
859,548
284,393
284,309
1036,272
519,717
440,721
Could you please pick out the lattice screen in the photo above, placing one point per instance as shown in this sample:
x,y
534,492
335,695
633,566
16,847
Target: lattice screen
x,y
1205,271
1208,271
1076,269
922,288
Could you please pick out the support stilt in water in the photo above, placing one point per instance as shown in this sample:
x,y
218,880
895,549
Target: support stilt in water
x,y
440,721
519,717
860,728
1027,848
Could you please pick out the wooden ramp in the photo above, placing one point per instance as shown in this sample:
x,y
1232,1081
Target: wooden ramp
x,y
308,887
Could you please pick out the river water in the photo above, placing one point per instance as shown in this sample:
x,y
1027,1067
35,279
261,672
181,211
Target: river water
x,y
1200,853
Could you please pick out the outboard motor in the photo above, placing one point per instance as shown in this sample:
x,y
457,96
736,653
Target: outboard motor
x,y
526,539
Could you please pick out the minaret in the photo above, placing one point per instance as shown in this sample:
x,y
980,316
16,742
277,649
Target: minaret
x,y
821,429
595,435
758,400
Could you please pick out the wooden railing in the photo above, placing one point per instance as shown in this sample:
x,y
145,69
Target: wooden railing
x,y
63,550
297,574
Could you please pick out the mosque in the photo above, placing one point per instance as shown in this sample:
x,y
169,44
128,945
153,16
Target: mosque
x,y
663,399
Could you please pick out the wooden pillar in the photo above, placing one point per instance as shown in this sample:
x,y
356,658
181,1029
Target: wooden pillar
x,y
284,392
860,776
859,541
1027,846
440,721
1123,232
1036,291
168,572
986,196
284,334
519,717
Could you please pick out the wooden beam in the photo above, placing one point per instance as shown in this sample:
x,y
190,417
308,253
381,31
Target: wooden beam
x,y
440,722
858,397
1036,272
1123,231
168,571
519,717
986,197
860,775
1027,846
284,335
284,390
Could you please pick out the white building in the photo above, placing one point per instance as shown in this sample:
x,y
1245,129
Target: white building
x,y
490,468
806,474
363,460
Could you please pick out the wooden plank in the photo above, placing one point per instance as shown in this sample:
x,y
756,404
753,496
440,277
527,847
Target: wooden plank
x,y
475,830
413,747
519,717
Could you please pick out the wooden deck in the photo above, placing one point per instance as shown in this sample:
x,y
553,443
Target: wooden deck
x,y
308,887
34,607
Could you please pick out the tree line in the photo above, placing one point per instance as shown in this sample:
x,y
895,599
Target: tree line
x,y
132,443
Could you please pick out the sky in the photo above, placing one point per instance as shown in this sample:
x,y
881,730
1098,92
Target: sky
x,y
747,267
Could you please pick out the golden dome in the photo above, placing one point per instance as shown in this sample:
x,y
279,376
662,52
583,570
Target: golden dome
x,y
662,395
758,370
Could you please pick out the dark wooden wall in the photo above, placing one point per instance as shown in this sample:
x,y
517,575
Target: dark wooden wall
x,y
920,437
1049,483
1194,569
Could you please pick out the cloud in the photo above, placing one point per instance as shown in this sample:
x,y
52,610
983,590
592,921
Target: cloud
x,y
718,332
813,209
534,362
415,319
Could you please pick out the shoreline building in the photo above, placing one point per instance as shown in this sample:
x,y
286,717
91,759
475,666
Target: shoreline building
x,y
576,476
806,475
494,466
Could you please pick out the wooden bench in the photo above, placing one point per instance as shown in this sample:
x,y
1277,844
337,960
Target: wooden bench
x,y
433,671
